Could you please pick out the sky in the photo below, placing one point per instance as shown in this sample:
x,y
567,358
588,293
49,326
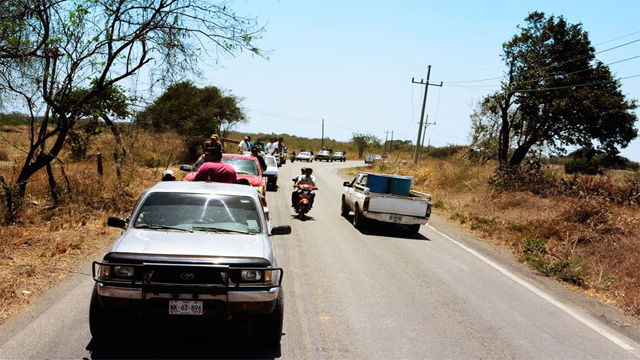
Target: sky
x,y
351,63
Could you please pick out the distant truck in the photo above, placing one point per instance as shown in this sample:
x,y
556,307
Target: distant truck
x,y
385,198
324,155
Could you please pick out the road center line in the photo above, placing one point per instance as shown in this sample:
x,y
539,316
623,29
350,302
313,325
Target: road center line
x,y
541,293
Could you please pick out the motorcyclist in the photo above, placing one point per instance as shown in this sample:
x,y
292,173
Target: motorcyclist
x,y
306,179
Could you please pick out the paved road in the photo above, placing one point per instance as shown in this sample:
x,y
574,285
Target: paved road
x,y
377,294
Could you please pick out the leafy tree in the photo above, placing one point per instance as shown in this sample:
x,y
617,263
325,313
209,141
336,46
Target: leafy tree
x,y
485,130
556,93
362,141
196,113
49,48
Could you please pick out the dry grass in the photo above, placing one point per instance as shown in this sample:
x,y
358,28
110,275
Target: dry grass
x,y
586,241
49,243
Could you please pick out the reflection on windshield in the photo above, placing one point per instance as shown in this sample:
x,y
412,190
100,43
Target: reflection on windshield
x,y
271,161
198,212
243,166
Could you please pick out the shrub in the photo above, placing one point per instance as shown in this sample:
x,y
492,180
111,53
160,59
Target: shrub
x,y
583,166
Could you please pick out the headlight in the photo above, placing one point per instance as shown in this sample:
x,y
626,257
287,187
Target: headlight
x,y
123,271
251,275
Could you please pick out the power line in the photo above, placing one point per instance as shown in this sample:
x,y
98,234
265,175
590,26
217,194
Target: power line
x,y
550,66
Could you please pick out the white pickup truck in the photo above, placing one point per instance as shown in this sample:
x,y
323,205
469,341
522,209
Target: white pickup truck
x,y
412,209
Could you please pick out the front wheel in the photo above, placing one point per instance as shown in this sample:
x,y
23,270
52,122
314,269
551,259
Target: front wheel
x,y
344,209
268,329
102,323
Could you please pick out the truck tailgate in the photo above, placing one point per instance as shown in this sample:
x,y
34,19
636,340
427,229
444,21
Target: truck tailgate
x,y
402,205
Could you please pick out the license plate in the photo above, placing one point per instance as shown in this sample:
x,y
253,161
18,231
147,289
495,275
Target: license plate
x,y
179,307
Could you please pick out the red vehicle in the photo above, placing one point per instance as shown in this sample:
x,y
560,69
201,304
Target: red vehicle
x,y
247,167
305,195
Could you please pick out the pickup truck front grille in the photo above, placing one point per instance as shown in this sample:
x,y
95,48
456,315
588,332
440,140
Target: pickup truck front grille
x,y
185,274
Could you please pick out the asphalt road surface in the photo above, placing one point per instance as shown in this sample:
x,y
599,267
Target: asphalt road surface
x,y
376,294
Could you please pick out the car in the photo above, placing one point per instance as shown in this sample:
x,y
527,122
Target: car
x,y
324,155
190,252
339,156
271,173
304,156
247,167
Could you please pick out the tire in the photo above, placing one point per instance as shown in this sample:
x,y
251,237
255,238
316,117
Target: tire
x,y
268,329
344,209
359,221
102,324
413,228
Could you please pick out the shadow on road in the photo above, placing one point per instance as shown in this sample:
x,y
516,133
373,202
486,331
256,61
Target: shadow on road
x,y
200,342
377,228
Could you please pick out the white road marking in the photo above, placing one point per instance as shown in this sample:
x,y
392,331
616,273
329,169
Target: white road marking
x,y
542,294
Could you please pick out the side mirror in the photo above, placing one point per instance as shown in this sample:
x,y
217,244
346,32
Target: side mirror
x,y
185,167
281,230
117,222
346,183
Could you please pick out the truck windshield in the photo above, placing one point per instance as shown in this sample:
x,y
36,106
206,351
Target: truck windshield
x,y
200,212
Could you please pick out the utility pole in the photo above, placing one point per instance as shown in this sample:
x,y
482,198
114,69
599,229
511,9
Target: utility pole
x,y
424,132
391,145
322,141
424,105
386,136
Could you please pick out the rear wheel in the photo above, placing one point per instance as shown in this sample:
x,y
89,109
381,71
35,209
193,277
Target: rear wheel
x,y
268,329
359,221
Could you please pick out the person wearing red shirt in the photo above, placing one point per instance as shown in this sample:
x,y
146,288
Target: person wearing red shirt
x,y
215,170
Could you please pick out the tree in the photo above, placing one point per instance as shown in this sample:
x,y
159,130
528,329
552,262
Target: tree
x,y
485,130
362,141
556,93
49,48
195,113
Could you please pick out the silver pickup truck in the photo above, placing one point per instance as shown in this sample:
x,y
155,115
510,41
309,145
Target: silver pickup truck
x,y
191,251
412,209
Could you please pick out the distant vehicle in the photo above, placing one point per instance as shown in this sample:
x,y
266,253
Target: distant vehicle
x,y
377,158
324,155
339,156
271,173
370,200
304,156
247,167
194,251
368,159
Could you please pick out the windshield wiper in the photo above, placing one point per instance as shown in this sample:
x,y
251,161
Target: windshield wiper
x,y
157,226
218,230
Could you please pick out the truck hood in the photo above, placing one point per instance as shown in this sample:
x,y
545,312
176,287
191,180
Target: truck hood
x,y
198,243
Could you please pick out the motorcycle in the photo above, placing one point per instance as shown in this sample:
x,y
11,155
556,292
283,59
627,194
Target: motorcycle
x,y
305,196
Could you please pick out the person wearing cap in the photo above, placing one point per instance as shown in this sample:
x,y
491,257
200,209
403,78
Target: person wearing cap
x,y
244,145
214,142
168,175
215,170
